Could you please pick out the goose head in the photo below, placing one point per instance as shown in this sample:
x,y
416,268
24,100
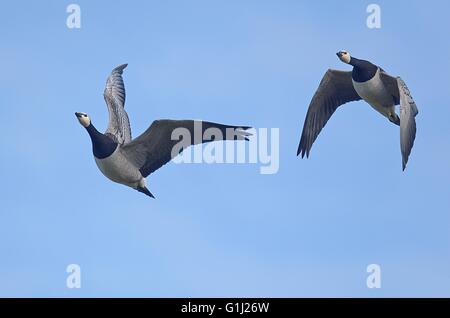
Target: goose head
x,y
84,119
344,56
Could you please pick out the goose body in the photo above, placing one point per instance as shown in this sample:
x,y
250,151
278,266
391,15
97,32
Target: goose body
x,y
375,93
366,82
129,161
119,169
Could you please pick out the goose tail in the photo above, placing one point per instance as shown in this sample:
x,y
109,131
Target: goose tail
x,y
145,191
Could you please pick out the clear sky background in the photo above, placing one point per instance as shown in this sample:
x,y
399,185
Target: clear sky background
x,y
223,229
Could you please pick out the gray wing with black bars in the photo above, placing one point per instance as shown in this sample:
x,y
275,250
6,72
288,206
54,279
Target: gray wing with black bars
x,y
114,94
335,89
408,112
165,139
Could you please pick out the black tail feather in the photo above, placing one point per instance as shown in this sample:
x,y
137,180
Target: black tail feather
x,y
146,191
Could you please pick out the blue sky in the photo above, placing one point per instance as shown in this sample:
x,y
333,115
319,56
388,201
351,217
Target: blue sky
x,y
222,230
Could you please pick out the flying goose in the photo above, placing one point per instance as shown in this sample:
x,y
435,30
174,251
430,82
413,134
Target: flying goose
x,y
129,161
370,83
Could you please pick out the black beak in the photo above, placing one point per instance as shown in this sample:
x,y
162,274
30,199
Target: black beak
x,y
78,115
339,54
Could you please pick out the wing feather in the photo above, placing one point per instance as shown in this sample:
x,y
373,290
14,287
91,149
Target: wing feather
x,y
114,94
157,145
335,89
408,112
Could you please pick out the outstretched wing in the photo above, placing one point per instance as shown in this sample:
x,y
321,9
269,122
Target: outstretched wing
x,y
391,84
408,111
114,94
335,89
165,139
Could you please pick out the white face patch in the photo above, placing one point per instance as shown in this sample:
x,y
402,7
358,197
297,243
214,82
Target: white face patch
x,y
345,56
84,120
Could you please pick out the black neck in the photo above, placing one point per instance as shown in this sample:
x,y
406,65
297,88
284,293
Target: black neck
x,y
362,70
102,145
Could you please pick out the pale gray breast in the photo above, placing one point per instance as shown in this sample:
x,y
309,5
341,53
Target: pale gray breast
x,y
374,92
118,169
